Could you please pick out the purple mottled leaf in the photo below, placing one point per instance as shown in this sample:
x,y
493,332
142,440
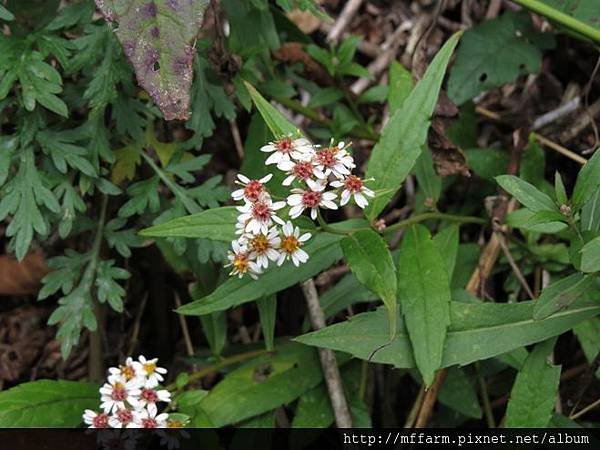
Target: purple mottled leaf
x,y
158,39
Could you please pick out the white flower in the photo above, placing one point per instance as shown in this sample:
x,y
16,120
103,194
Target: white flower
x,y
263,247
147,418
311,198
252,190
122,418
117,391
334,160
149,397
287,148
152,374
353,186
127,371
291,243
241,262
301,170
259,216
95,419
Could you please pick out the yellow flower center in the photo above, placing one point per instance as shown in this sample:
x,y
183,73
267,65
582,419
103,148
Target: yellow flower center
x,y
240,263
174,424
260,244
127,372
290,244
149,368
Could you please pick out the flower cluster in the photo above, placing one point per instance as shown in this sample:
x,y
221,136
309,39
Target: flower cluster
x,y
264,235
129,397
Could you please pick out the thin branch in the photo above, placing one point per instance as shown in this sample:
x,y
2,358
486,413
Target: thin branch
x,y
331,372
556,114
346,15
585,410
184,328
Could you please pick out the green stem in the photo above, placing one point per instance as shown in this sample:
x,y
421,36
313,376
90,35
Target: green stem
x,y
296,106
485,399
90,270
235,359
564,19
433,216
328,228
189,204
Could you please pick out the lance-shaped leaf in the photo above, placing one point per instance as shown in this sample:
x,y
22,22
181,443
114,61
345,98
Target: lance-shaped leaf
x,y
527,194
217,224
324,250
561,294
276,122
424,291
47,403
158,39
406,132
370,260
533,395
477,331
590,256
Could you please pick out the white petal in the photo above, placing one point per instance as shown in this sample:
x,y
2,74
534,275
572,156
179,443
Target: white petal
x,y
295,211
313,213
345,197
277,205
285,165
243,178
301,255
336,184
360,200
266,178
368,192
294,199
289,180
267,148
273,159
328,195
329,204
305,237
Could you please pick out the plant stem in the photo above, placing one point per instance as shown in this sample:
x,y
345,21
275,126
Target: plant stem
x,y
358,132
235,359
328,228
485,398
434,216
189,204
564,19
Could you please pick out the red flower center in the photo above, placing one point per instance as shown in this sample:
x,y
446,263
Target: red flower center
x,y
119,393
253,190
100,421
303,170
261,211
326,157
148,423
125,416
149,395
284,145
311,199
353,183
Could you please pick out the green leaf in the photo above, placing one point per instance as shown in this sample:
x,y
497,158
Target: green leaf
x,y
487,163
494,53
533,395
5,14
537,222
543,218
405,134
278,124
477,331
429,181
370,260
526,193
585,10
588,181
447,242
217,224
267,311
346,292
590,213
424,292
561,294
590,256
47,403
157,38
263,384
588,334
458,392
323,249
401,83
559,189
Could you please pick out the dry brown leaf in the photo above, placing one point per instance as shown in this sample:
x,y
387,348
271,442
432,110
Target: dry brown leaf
x,y
24,277
293,52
